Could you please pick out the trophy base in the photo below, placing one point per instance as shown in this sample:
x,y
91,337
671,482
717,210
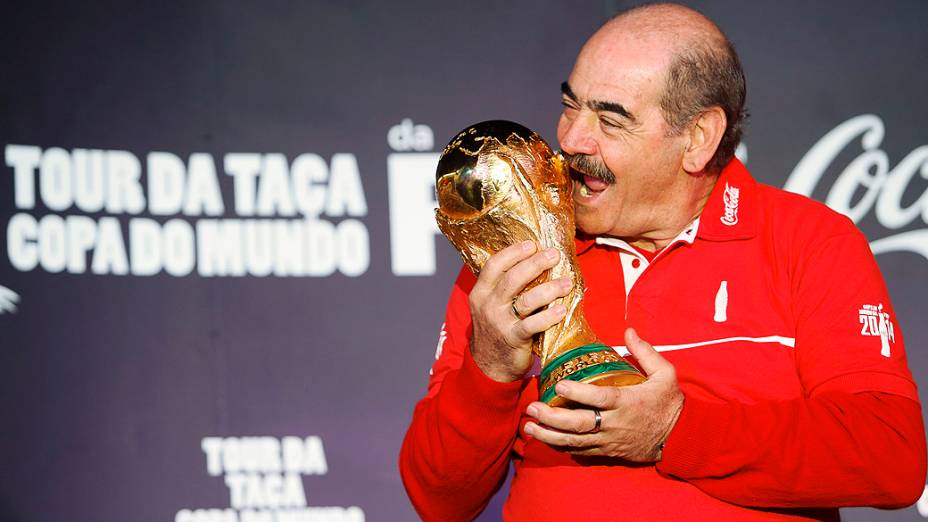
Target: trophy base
x,y
591,364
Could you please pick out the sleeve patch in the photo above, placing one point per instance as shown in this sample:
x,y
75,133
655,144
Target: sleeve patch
x,y
877,323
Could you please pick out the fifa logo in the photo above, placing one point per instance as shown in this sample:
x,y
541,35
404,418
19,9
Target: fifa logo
x,y
876,323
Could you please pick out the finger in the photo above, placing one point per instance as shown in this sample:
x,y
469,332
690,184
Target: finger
x,y
568,441
500,263
539,322
594,451
542,295
652,362
599,397
563,419
523,272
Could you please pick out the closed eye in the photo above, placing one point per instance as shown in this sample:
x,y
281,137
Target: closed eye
x,y
610,123
569,104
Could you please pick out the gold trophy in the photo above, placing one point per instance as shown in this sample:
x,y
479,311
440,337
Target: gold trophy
x,y
498,184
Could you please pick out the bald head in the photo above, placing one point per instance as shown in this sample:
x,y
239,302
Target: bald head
x,y
676,22
698,66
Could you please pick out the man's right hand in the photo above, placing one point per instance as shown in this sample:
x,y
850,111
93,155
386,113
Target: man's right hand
x,y
502,342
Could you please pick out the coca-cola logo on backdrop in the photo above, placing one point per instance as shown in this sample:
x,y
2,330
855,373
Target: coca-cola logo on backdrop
x,y
884,187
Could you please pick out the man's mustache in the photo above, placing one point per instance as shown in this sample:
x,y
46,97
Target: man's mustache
x,y
586,164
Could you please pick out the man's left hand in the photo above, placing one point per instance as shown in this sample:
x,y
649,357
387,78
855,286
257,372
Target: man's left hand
x,y
636,420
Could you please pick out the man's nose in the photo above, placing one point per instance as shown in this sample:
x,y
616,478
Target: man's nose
x,y
577,136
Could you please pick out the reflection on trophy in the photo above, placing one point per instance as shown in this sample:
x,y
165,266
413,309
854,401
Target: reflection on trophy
x,y
498,184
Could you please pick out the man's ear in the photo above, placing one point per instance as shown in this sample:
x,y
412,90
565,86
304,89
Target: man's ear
x,y
705,133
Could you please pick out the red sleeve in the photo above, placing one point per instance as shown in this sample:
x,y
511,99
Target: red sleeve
x,y
855,438
457,449
864,449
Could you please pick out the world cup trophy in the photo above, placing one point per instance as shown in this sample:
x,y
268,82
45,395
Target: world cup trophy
x,y
499,183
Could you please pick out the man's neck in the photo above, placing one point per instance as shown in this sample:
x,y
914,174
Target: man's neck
x,y
677,222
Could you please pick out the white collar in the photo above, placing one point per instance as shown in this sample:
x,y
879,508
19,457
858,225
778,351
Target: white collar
x,y
688,235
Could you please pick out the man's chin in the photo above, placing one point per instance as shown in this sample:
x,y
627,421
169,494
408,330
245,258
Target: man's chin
x,y
585,221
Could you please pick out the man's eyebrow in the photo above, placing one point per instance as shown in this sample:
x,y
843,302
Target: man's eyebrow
x,y
612,107
599,105
567,91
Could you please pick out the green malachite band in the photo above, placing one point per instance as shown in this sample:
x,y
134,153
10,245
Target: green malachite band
x,y
570,354
589,371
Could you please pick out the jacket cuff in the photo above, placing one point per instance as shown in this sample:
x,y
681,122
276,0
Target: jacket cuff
x,y
481,395
695,439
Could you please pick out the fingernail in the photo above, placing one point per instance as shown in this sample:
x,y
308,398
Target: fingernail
x,y
532,410
529,428
528,246
559,309
561,388
551,254
565,282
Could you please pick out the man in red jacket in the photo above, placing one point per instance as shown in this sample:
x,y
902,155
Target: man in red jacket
x,y
777,379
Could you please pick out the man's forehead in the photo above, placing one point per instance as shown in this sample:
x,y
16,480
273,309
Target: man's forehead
x,y
627,75
629,51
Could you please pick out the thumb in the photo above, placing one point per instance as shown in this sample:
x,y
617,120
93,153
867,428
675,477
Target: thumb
x,y
650,360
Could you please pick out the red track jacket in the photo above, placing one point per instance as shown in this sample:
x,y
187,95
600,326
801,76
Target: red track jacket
x,y
798,399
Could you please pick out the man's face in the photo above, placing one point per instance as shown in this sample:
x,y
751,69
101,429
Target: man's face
x,y
612,123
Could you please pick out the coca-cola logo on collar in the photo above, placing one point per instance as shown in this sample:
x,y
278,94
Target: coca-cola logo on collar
x,y
883,187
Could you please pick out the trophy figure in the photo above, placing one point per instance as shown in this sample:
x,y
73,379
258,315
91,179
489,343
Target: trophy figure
x,y
499,183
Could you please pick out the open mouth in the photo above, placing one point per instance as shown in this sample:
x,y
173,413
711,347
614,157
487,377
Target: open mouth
x,y
591,175
588,185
